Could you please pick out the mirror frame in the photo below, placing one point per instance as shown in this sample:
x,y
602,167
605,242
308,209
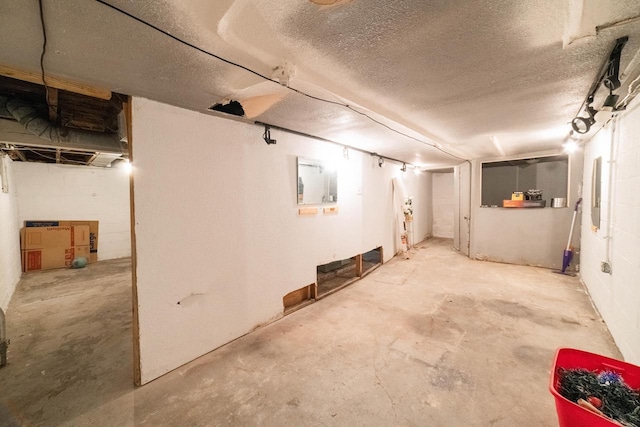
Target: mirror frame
x,y
299,192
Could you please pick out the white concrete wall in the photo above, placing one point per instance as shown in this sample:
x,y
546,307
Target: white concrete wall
x,y
532,236
65,192
616,295
443,205
219,238
10,268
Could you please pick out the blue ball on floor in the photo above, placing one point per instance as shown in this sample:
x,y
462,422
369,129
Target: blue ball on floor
x,y
79,262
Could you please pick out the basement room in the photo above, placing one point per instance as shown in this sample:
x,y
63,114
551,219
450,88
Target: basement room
x,y
320,212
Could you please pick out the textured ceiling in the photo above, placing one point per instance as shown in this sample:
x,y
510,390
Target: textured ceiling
x,y
449,73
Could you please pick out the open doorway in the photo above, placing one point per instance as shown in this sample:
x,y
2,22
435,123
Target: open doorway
x,y
68,197
443,203
462,207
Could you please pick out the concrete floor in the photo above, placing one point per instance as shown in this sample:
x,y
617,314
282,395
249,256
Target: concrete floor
x,y
437,340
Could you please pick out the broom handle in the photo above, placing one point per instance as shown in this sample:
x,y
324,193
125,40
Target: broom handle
x,y
573,222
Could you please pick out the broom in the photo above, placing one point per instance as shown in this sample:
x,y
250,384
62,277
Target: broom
x,y
567,255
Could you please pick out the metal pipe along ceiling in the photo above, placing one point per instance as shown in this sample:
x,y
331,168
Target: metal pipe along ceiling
x,y
59,136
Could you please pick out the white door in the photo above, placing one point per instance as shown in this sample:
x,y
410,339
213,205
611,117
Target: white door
x,y
462,213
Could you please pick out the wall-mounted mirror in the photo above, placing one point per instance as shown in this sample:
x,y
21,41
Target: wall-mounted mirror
x,y
317,182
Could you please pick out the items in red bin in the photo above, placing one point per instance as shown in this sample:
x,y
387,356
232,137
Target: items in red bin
x,y
604,393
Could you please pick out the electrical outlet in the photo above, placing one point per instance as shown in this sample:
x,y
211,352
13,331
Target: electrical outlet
x,y
605,267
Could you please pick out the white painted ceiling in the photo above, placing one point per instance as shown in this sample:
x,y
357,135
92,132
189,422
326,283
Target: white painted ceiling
x,y
451,73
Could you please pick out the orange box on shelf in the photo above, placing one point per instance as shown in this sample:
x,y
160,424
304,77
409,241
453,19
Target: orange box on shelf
x,y
512,203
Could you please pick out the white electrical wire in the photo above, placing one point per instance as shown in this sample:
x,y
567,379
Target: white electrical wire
x,y
631,93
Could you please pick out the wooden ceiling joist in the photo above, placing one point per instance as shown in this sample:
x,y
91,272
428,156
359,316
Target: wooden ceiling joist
x,y
55,82
52,97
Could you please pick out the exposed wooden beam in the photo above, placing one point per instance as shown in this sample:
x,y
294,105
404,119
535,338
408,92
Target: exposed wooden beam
x,y
55,82
52,97
20,155
137,372
92,158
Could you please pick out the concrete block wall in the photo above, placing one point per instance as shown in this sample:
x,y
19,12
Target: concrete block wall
x,y
10,268
51,191
616,295
443,205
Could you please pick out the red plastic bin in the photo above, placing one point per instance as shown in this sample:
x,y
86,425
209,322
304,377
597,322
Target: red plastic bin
x,y
569,413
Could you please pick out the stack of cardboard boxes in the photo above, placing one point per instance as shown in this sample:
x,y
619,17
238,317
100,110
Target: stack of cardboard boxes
x,y
55,244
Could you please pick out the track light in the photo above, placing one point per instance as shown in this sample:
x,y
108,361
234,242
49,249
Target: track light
x,y
345,153
380,162
404,167
609,77
608,108
583,124
267,136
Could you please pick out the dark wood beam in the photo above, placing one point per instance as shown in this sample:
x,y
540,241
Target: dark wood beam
x,y
52,99
20,155
55,82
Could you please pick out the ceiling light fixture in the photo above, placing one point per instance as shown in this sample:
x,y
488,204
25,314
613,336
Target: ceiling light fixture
x,y
582,125
267,136
345,153
570,147
609,77
608,108
404,167
126,166
380,162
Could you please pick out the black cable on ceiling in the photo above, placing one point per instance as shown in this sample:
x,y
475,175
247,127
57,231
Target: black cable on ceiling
x,y
44,51
235,64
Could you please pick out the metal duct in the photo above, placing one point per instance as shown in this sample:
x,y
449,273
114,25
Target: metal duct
x,y
3,108
59,136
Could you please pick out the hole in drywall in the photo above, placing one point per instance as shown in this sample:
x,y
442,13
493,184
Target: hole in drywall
x,y
371,260
231,107
299,298
337,274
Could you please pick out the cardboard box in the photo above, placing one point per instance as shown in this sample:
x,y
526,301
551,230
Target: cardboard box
x,y
93,232
50,258
54,237
512,203
45,248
